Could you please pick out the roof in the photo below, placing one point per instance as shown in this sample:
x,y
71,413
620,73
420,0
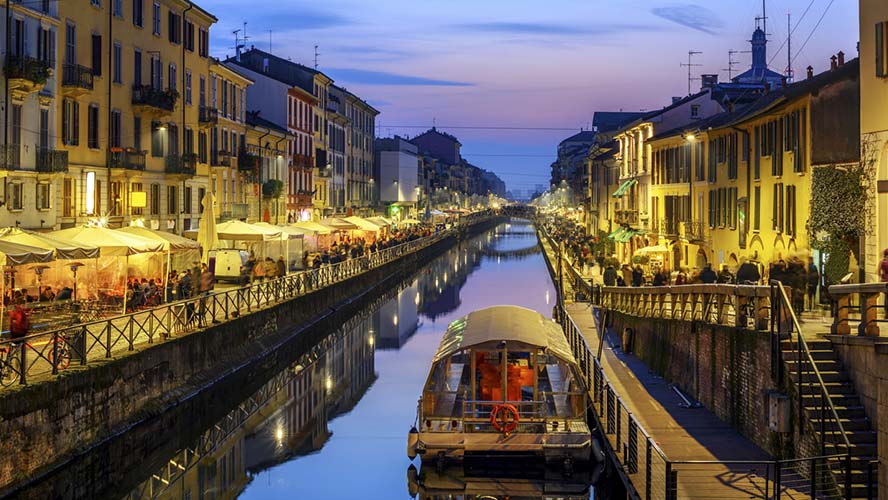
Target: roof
x,y
433,130
582,136
607,121
495,324
253,119
282,70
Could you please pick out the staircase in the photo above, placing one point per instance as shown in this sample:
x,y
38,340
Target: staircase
x,y
845,400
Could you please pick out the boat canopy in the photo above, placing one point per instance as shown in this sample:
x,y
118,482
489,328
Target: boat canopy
x,y
509,323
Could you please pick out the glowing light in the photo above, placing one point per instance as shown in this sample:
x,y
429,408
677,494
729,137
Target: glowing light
x,y
90,193
279,434
329,383
395,320
416,300
691,137
371,340
547,297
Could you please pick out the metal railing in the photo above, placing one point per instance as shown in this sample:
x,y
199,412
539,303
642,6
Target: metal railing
x,y
146,95
127,159
75,75
10,156
52,160
49,352
208,115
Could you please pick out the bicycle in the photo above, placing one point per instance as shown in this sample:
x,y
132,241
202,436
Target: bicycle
x,y
11,365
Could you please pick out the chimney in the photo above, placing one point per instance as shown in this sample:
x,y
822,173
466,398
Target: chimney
x,y
841,58
767,88
783,82
708,81
675,99
810,72
833,63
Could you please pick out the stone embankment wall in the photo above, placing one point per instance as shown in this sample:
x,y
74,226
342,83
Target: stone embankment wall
x,y
45,424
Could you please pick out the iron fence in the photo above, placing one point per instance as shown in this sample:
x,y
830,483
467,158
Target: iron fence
x,y
47,353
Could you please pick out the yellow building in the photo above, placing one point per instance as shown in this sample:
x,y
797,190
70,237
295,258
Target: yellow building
x,y
31,161
266,148
739,184
130,113
874,122
224,116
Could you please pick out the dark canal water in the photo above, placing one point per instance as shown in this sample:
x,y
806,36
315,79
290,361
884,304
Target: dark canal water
x,y
333,424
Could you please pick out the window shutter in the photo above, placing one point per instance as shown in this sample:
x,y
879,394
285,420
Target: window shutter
x,y
880,49
97,55
75,122
776,211
66,127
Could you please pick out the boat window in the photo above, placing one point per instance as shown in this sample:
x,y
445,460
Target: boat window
x,y
560,388
447,387
519,376
489,375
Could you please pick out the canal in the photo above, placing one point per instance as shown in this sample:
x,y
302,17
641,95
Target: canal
x,y
332,424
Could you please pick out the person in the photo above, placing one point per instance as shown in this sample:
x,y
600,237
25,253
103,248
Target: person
x,y
259,271
812,277
47,295
682,277
610,276
725,276
184,292
637,276
748,273
19,322
65,293
281,267
206,286
620,281
708,276
660,278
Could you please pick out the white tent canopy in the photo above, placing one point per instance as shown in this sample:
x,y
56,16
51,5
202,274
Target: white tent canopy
x,y
363,224
169,240
111,243
241,231
63,249
652,250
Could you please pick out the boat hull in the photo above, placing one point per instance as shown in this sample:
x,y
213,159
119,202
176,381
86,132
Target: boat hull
x,y
554,447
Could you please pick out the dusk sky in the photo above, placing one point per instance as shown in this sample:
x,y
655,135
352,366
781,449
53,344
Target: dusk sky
x,y
526,64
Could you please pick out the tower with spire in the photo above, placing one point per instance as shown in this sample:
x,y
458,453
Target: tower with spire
x,y
759,72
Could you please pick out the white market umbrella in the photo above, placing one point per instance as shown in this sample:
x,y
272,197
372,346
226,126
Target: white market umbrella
x,y
207,236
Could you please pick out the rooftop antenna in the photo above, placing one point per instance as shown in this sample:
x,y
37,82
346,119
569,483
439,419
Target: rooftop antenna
x,y
245,38
762,21
789,73
316,56
269,40
691,53
732,62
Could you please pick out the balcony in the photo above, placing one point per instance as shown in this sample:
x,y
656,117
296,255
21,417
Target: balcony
x,y
76,80
626,216
670,227
184,165
247,162
209,117
10,156
154,102
303,161
695,231
51,161
127,159
26,75
220,159
235,211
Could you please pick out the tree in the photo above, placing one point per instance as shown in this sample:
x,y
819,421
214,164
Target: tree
x,y
273,189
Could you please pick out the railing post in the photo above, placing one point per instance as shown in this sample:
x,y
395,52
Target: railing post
x,y
777,479
813,473
129,324
55,353
847,476
671,492
108,338
23,363
647,471
869,480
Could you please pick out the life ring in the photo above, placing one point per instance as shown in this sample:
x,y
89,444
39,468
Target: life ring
x,y
509,420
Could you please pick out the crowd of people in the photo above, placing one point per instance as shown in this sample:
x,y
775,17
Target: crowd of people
x,y
586,252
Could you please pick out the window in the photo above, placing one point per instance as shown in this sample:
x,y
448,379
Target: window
x,y
14,196
43,195
173,139
156,18
45,45
137,67
43,124
156,72
138,13
189,36
174,26
68,197
70,44
172,200
96,3
695,111
117,8
70,122
116,128
97,55
157,131
117,70
757,217
114,198
202,146
187,199
202,90
187,86
135,187
224,98
92,139
777,205
155,199
188,142
882,49
203,41
17,47
137,133
173,77
790,228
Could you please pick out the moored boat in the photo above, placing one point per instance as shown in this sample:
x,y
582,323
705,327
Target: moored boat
x,y
503,383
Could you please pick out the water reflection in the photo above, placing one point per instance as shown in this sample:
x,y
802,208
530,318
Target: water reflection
x,y
333,423
429,483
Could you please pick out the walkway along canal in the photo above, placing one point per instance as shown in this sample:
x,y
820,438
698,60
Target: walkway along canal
x,y
135,366
711,391
325,416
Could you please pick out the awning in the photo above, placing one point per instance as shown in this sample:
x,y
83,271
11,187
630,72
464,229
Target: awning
x,y
287,232
314,226
337,223
624,234
12,254
63,249
169,240
110,242
241,231
652,250
363,224
624,187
